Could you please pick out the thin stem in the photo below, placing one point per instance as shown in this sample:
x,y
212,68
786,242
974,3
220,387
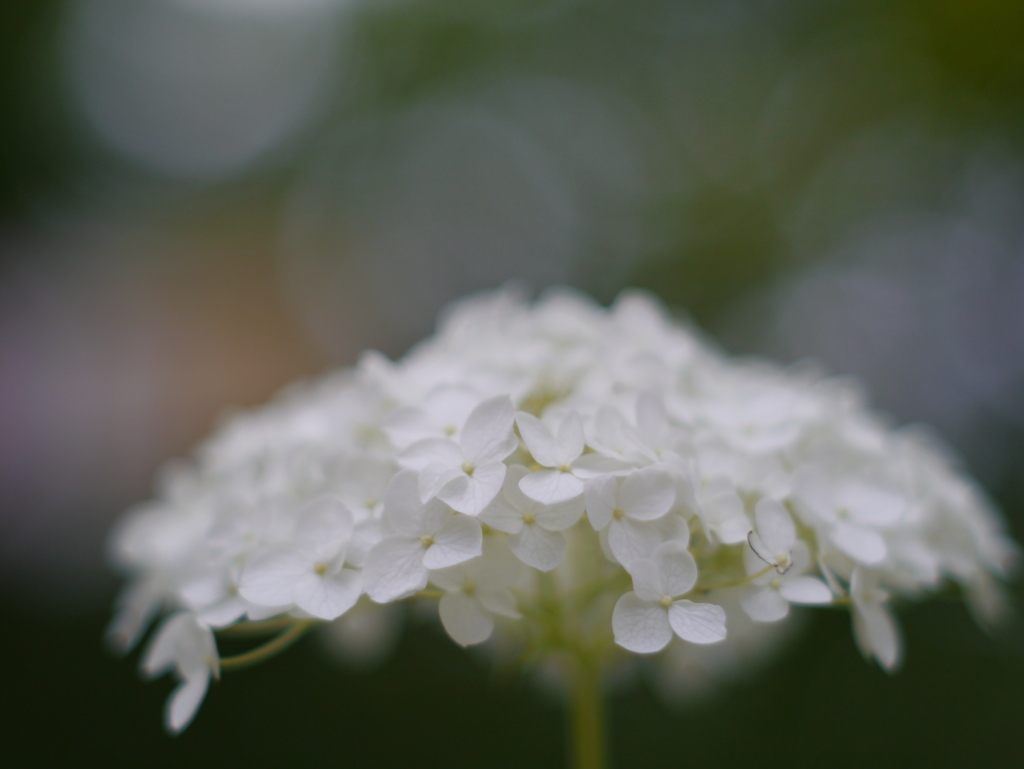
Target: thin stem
x,y
269,649
587,748
262,627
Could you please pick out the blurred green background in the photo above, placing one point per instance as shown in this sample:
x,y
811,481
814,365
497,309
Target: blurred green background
x,y
201,201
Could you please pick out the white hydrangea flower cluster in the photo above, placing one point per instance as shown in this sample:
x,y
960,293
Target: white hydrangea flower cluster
x,y
586,480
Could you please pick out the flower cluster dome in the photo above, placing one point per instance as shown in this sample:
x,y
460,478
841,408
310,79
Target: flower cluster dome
x,y
563,476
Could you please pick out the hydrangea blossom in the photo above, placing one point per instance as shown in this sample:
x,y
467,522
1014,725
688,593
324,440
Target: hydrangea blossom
x,y
586,482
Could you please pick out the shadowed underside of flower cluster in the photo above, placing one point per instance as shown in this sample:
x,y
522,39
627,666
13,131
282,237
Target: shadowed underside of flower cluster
x,y
578,481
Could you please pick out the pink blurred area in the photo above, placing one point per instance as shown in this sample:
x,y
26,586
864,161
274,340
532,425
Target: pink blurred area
x,y
120,345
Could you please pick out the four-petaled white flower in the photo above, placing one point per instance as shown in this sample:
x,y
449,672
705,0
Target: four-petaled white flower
x,y
475,591
468,474
427,536
852,511
768,597
534,528
643,620
628,505
309,571
561,452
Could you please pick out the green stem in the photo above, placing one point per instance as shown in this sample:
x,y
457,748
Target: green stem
x,y
269,649
587,748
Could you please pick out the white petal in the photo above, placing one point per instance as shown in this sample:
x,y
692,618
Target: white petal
x,y
184,702
538,547
640,626
458,540
435,477
503,516
724,515
407,425
810,590
629,540
870,504
601,496
403,509
699,623
570,437
466,621
647,579
431,451
862,545
647,494
677,567
183,643
470,494
561,516
328,596
487,435
775,526
223,613
394,569
324,527
538,439
500,602
651,417
364,538
877,635
763,604
450,579
269,577
137,605
435,513
551,486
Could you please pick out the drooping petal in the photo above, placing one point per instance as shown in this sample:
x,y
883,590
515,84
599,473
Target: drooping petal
x,y
184,702
458,540
394,569
763,604
551,486
538,547
165,648
466,621
677,567
809,590
487,435
328,596
699,623
640,626
877,635
647,494
470,494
